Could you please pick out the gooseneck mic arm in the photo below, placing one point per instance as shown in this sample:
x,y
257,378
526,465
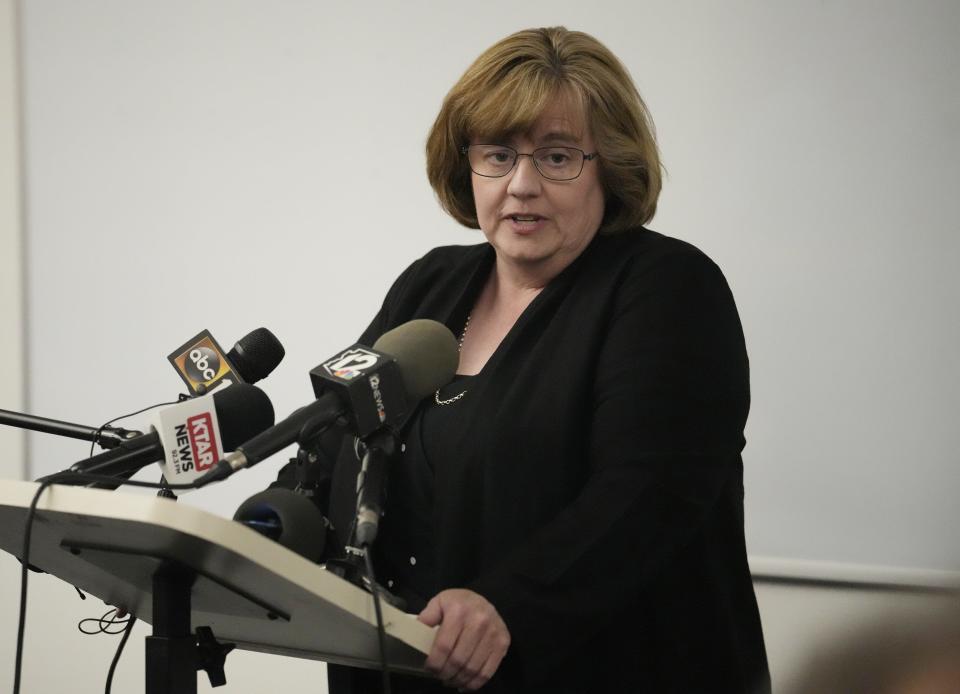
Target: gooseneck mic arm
x,y
106,437
381,448
325,409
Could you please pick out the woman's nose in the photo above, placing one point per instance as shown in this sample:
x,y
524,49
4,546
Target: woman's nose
x,y
524,179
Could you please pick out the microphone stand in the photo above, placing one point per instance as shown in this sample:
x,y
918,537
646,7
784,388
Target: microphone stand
x,y
122,465
380,450
105,437
174,652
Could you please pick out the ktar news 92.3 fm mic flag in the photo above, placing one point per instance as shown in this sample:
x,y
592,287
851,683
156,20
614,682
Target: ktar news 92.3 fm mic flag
x,y
187,438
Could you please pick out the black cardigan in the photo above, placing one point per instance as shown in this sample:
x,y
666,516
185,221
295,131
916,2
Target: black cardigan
x,y
600,506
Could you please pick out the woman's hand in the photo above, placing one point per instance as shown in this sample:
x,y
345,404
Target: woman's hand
x,y
471,641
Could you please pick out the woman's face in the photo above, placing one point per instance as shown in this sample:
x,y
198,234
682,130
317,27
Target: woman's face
x,y
538,225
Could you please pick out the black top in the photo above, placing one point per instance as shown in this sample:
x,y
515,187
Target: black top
x,y
405,550
595,493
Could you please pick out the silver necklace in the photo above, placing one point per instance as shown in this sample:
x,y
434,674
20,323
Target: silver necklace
x,y
436,395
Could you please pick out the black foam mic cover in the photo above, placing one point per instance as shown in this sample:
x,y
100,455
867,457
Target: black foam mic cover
x,y
256,354
289,518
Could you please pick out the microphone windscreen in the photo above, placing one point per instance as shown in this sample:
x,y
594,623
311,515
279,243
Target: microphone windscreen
x,y
286,517
256,354
243,411
426,352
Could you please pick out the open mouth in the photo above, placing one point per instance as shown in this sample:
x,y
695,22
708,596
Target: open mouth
x,y
525,217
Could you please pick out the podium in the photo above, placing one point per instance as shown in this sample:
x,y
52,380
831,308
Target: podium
x,y
178,567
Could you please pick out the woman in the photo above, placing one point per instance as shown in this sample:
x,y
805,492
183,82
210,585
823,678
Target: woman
x,y
568,511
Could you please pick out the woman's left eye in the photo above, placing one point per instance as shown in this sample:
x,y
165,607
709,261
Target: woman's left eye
x,y
555,157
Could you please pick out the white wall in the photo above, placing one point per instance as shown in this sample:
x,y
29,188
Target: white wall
x,y
12,441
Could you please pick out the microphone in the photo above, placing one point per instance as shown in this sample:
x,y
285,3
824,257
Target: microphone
x,y
187,438
256,355
105,437
288,518
253,357
371,483
372,388
203,365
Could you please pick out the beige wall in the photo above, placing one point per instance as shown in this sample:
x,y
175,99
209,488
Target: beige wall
x,y
12,384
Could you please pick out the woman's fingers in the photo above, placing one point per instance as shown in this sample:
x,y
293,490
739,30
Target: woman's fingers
x,y
471,641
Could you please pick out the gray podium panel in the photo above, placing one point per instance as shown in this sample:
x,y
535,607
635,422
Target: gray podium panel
x,y
249,590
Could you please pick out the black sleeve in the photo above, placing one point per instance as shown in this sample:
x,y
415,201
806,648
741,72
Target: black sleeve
x,y
670,400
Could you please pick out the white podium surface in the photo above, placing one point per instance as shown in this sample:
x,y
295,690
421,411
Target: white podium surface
x,y
249,590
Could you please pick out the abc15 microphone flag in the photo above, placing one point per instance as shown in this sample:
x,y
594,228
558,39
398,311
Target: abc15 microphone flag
x,y
202,364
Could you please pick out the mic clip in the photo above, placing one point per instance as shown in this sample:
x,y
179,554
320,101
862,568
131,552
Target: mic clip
x,y
311,474
112,437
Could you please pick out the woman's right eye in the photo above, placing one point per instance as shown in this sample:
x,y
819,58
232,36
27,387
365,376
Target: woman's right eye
x,y
499,156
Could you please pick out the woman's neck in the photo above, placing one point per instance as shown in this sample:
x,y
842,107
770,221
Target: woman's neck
x,y
522,278
500,303
507,300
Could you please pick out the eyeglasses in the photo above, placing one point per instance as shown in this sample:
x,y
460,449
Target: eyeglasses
x,y
553,163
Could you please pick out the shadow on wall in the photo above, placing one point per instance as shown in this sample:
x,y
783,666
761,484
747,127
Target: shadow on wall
x,y
890,655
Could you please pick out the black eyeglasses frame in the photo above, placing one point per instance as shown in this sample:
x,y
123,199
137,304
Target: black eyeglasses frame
x,y
465,149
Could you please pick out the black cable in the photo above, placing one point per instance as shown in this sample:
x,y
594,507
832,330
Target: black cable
x,y
70,476
106,622
116,656
28,531
25,561
381,633
103,623
124,416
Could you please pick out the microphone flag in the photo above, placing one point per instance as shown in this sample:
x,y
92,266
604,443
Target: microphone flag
x,y
189,434
203,365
